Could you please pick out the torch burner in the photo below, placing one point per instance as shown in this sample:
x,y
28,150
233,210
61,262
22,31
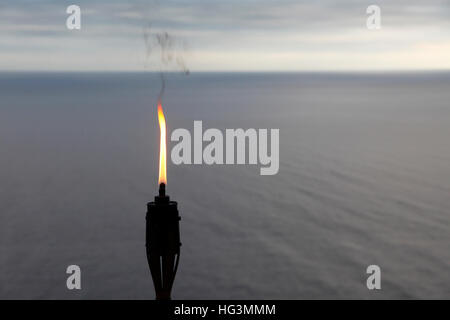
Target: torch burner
x,y
163,242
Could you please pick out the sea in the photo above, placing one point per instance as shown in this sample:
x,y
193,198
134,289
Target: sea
x,y
364,179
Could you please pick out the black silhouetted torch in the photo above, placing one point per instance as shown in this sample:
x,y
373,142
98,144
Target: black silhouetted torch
x,y
162,227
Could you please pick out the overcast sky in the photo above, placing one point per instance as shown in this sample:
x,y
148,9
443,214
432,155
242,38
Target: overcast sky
x,y
256,35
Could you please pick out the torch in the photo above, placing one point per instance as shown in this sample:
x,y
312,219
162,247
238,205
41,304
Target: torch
x,y
162,227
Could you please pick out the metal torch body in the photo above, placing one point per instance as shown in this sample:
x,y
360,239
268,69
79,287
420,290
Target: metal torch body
x,y
163,243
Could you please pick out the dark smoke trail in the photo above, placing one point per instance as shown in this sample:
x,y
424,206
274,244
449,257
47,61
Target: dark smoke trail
x,y
171,53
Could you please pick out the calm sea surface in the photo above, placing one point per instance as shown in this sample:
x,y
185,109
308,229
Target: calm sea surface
x,y
364,179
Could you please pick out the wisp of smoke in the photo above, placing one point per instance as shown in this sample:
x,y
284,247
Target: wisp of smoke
x,y
171,52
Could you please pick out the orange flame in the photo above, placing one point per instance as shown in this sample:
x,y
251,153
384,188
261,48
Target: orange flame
x,y
162,145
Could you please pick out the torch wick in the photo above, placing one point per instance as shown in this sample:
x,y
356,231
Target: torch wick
x,y
162,190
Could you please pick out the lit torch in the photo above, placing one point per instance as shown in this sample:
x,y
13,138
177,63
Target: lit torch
x,y
162,227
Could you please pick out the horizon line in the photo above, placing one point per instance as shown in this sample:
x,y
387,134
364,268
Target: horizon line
x,y
232,71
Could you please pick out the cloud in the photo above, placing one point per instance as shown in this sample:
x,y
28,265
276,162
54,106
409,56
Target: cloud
x,y
237,33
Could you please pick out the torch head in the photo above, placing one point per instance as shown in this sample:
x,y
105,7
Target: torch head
x,y
163,242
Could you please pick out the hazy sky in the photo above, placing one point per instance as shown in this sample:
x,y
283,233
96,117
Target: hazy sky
x,y
226,35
